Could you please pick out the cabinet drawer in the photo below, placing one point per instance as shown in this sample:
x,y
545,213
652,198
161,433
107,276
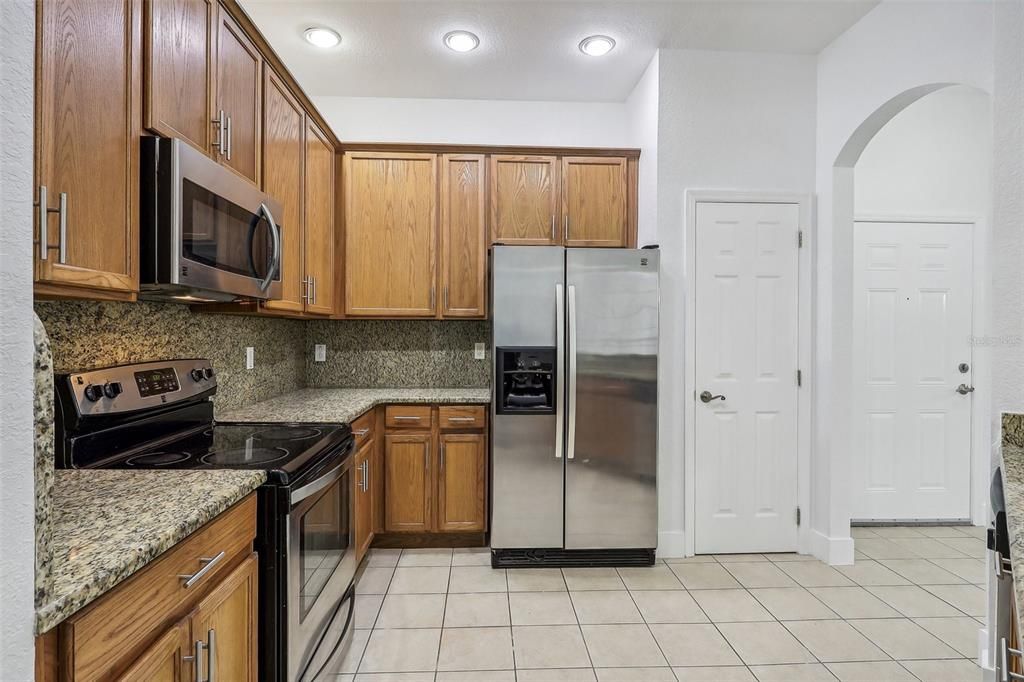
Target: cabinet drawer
x,y
462,416
362,428
119,625
407,416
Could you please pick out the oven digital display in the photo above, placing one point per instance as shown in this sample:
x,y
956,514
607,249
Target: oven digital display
x,y
156,381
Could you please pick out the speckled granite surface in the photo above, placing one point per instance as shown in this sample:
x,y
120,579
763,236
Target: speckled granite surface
x,y
1012,463
345,404
389,353
1013,429
43,413
135,332
109,524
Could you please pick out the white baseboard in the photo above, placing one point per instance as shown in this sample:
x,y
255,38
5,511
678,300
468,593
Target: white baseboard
x,y
671,544
833,551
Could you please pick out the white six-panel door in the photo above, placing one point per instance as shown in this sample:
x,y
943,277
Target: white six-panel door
x,y
746,332
911,333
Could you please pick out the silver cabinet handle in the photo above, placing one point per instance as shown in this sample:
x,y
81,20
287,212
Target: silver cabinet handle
x,y
305,286
366,475
219,144
359,477
571,349
559,364
706,397
426,458
405,418
44,237
442,457
228,134
361,432
208,564
565,233
432,294
552,227
964,389
211,655
462,419
198,660
446,297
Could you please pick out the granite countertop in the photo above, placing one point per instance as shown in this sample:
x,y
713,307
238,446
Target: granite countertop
x,y
107,524
345,404
1013,494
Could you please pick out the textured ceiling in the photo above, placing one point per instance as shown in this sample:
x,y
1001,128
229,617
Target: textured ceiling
x,y
528,51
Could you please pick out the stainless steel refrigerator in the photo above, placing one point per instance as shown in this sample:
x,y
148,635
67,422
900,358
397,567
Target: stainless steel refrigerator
x,y
574,414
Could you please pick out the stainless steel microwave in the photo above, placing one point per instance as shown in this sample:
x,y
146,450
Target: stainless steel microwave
x,y
206,233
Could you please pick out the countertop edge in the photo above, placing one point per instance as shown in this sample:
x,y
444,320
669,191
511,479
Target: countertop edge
x,y
53,612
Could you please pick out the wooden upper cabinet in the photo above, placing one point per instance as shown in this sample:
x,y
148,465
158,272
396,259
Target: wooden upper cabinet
x,y
408,486
178,55
319,203
228,615
463,235
462,482
524,199
239,76
390,234
594,198
88,114
283,169
164,660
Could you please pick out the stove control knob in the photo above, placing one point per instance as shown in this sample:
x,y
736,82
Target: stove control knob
x,y
93,392
208,372
197,374
112,389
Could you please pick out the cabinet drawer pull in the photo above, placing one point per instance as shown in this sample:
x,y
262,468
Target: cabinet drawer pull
x,y
462,419
406,418
209,563
361,432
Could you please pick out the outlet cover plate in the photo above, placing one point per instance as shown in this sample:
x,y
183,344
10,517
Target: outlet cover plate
x,y
250,357
479,351
320,352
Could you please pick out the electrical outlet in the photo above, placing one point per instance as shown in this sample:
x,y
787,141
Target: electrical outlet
x,y
479,351
250,357
320,352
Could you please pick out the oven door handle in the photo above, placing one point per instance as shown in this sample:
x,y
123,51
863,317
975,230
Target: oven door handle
x,y
275,233
312,488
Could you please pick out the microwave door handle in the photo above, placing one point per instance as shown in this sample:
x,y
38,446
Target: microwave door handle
x,y
275,261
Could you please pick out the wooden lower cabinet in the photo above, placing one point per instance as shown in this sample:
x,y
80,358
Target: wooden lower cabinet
x,y
364,499
435,469
407,482
151,626
462,482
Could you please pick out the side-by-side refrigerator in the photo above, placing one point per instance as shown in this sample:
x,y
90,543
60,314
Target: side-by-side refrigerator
x,y
574,414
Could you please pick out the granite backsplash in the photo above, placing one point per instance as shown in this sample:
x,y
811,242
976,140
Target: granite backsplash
x,y
1013,429
398,353
87,334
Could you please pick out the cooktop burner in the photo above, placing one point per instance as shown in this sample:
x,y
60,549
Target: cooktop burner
x,y
157,459
247,456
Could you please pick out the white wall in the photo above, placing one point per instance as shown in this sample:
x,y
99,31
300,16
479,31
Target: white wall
x,y
642,109
934,158
498,122
17,499
726,120
897,53
1008,211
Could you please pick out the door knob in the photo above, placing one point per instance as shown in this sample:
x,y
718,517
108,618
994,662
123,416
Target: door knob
x,y
964,389
706,397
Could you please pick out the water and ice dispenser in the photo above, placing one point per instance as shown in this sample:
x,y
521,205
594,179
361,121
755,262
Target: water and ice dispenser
x,y
526,380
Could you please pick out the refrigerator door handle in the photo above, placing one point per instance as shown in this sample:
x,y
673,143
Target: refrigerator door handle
x,y
571,448
559,367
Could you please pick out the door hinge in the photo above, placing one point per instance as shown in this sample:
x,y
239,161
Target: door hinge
x,y
799,378
799,239
798,516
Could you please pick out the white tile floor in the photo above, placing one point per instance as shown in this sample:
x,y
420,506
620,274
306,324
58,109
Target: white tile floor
x,y
908,609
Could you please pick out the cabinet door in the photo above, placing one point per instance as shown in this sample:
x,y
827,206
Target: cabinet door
x,y
164,660
179,70
319,220
594,201
364,499
239,73
228,616
390,234
524,199
283,168
461,491
463,236
88,113
407,484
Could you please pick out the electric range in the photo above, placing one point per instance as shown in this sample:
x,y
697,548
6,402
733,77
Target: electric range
x,y
159,416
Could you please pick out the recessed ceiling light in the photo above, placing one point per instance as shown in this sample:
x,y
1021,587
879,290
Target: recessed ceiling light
x,y
461,41
596,46
322,37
